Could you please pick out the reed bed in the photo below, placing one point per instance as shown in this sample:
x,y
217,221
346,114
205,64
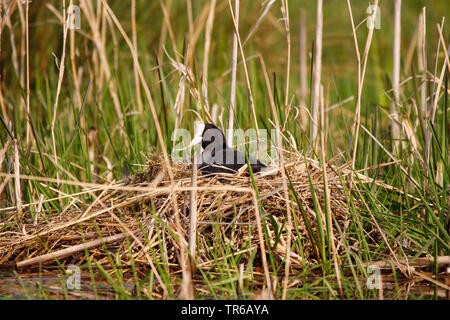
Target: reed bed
x,y
142,203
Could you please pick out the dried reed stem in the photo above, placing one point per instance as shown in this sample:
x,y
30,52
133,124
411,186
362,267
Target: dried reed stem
x,y
18,190
441,77
163,34
193,215
281,156
422,62
76,81
3,152
285,13
247,78
60,78
396,130
92,137
22,44
261,244
136,76
284,181
303,71
27,41
317,74
232,105
258,22
444,46
410,51
208,32
327,194
70,251
361,77
190,19
166,12
423,262
438,48
2,23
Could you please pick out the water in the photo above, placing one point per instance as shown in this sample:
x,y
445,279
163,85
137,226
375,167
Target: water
x,y
54,285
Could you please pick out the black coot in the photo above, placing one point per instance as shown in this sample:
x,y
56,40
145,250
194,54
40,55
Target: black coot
x,y
217,157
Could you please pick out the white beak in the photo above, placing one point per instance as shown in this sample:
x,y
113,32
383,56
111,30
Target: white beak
x,y
198,131
196,140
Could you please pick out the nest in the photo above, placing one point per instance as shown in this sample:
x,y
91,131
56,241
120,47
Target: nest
x,y
141,208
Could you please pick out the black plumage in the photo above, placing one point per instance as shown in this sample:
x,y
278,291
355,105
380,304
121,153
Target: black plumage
x,y
217,157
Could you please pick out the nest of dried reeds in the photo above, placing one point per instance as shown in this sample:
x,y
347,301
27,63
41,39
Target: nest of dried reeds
x,y
135,218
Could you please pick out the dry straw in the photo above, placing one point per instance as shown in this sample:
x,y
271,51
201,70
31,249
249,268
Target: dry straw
x,y
123,209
